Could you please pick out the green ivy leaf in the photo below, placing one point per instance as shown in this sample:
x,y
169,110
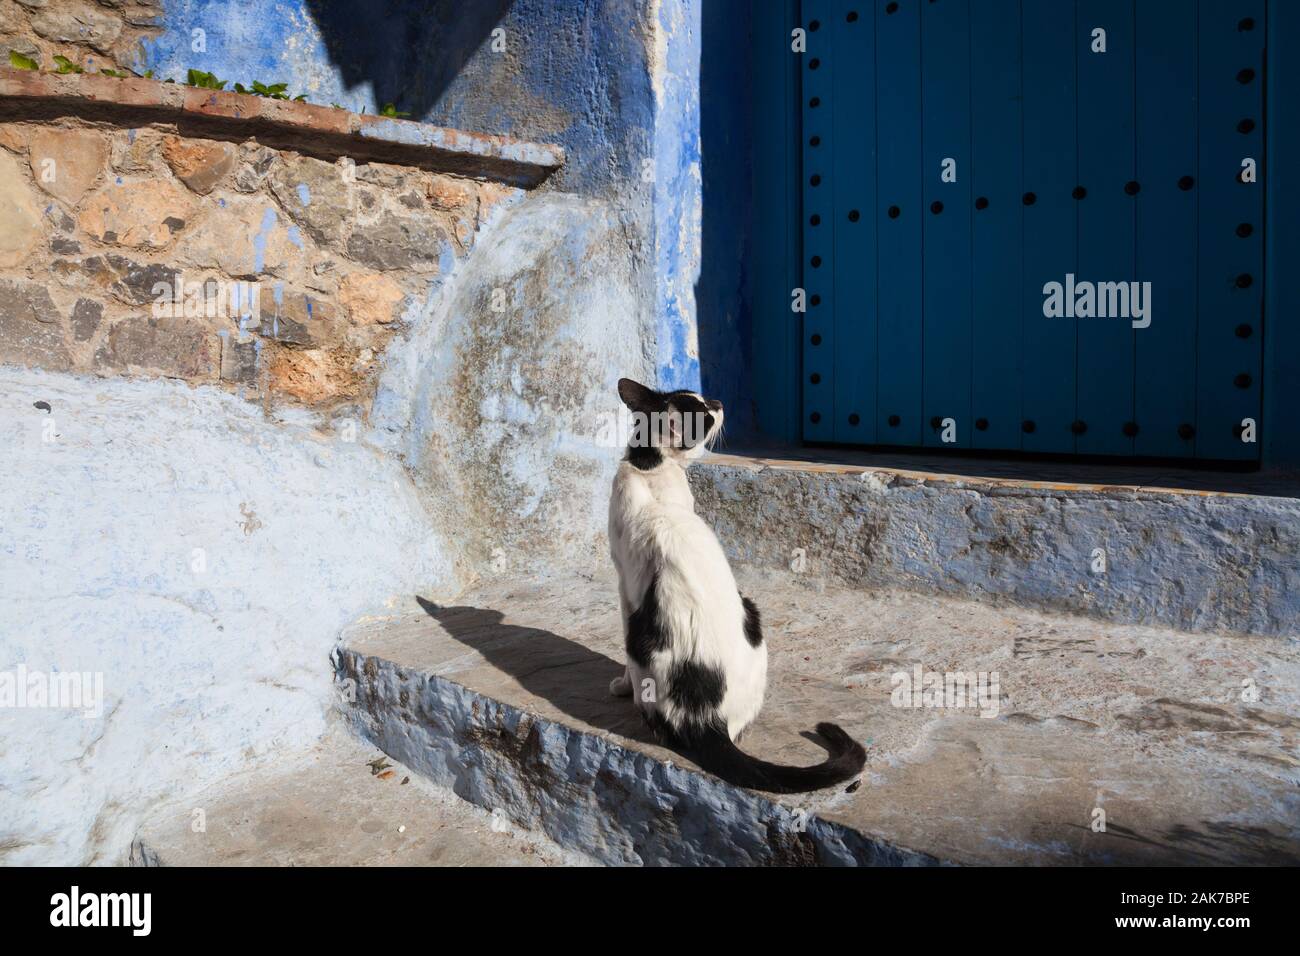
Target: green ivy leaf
x,y
66,65
206,81
18,61
275,91
112,73
390,110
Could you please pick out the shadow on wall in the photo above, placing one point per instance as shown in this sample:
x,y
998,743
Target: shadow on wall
x,y
722,297
410,51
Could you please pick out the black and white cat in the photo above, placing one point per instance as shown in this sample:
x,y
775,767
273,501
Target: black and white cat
x,y
696,660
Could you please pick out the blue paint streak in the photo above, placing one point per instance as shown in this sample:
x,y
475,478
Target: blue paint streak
x,y
446,260
259,241
676,158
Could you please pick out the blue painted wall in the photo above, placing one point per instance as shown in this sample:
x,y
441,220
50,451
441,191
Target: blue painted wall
x,y
567,71
616,82
748,336
677,186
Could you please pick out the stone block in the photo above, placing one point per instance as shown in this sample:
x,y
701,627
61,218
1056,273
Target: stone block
x,y
13,137
255,164
370,298
20,213
132,282
451,195
239,359
87,314
138,151
31,327
244,238
389,235
139,283
299,318
66,162
137,214
80,23
314,376
199,164
317,195
176,348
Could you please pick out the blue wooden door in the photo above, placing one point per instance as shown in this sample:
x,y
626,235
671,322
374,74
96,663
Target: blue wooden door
x,y
1032,225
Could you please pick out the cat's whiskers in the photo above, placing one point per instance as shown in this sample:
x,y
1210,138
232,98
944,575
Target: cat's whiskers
x,y
717,438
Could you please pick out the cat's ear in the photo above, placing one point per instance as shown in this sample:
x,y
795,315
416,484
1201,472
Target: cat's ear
x,y
639,398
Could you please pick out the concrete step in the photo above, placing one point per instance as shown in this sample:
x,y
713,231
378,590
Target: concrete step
x,y
501,695
1194,556
328,808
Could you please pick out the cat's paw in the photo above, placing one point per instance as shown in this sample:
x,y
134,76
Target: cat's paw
x,y
620,686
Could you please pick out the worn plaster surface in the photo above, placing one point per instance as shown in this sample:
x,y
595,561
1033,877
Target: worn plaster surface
x,y
1187,746
329,807
198,556
499,397
482,450
1198,562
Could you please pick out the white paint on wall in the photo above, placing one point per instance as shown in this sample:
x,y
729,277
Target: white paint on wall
x,y
204,555
200,556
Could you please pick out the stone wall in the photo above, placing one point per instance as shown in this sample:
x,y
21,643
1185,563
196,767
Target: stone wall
x,y
277,275
187,511
614,82
106,34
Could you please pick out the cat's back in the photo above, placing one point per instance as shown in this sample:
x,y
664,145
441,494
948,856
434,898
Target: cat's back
x,y
652,513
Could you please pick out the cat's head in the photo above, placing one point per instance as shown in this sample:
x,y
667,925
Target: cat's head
x,y
680,424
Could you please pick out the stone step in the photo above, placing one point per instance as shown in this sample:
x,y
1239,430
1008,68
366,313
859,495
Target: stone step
x,y
1197,556
1185,747
328,808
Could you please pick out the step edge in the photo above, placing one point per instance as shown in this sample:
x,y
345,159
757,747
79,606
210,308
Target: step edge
x,y
620,777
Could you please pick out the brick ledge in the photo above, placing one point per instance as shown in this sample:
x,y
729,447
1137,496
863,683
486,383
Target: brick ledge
x,y
281,124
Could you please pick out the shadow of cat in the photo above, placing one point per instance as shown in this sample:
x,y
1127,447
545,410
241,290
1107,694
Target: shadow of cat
x,y
572,678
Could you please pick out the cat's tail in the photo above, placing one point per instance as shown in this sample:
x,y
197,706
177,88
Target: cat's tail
x,y
717,753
